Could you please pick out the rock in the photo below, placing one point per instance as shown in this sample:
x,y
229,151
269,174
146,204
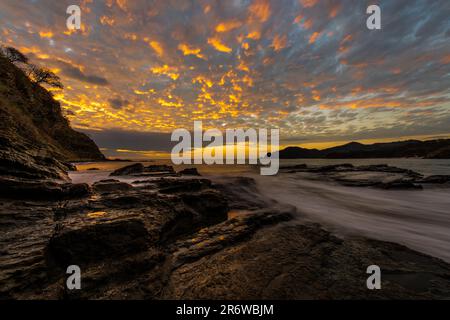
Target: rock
x,y
82,243
220,236
159,168
399,185
333,168
300,261
129,170
189,172
34,134
436,179
295,167
389,169
41,189
170,185
23,164
93,169
75,191
380,176
110,185
138,169
140,243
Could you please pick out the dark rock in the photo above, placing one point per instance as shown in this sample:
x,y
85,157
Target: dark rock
x,y
159,168
84,243
388,169
129,170
144,244
189,172
41,190
138,169
299,261
436,179
399,185
33,128
76,191
181,185
93,169
333,168
110,185
220,236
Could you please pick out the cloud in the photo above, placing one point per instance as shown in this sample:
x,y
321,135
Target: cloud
x,y
75,72
118,103
309,67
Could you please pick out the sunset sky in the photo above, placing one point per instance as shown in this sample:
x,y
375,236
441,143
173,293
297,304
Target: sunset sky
x,y
139,69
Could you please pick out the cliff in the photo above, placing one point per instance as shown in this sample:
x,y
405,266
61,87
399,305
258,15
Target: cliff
x,y
35,138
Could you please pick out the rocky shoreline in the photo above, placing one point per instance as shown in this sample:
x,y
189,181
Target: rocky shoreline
x,y
380,176
169,236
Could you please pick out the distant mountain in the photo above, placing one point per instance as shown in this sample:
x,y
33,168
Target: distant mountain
x,y
431,149
34,134
297,152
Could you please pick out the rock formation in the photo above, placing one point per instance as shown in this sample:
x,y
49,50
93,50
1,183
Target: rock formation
x,y
36,140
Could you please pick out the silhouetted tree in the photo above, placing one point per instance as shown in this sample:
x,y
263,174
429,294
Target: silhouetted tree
x,y
13,55
43,75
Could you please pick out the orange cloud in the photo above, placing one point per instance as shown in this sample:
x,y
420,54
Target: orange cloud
x,y
308,3
228,26
155,45
170,72
308,24
218,45
314,37
190,51
334,10
45,34
254,35
279,42
446,60
260,10
105,20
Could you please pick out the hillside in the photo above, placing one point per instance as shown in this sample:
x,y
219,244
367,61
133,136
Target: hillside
x,y
432,149
33,131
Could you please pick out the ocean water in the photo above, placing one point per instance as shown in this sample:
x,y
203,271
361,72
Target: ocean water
x,y
419,219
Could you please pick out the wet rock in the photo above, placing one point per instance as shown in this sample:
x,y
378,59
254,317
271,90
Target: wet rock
x,y
333,168
436,179
220,236
399,185
140,170
388,169
379,176
85,242
159,168
181,185
26,165
129,170
13,188
75,191
110,185
189,172
301,261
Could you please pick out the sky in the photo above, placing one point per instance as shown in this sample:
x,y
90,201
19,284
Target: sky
x,y
138,69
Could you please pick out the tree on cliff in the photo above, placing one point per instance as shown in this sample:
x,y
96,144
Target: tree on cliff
x,y
36,74
13,55
43,75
